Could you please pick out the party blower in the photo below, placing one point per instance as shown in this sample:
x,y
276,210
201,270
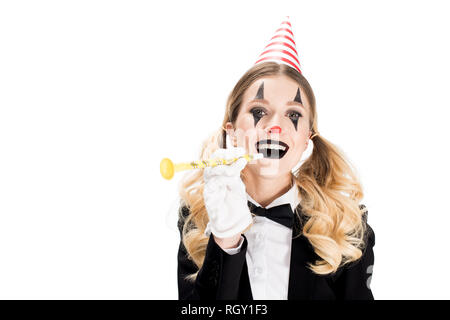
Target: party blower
x,y
168,168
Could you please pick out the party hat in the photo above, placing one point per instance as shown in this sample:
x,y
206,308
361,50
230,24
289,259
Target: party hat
x,y
281,47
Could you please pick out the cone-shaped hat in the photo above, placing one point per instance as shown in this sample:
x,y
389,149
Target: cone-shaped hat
x,y
281,47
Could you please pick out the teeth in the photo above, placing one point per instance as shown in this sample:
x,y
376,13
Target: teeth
x,y
272,146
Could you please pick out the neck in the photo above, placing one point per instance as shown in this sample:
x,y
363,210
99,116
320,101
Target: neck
x,y
266,189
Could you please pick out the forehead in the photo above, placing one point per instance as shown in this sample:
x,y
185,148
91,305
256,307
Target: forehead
x,y
278,90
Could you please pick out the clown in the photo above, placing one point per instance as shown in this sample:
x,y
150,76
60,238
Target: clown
x,y
287,226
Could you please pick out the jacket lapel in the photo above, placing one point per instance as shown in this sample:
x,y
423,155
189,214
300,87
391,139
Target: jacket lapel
x,y
301,278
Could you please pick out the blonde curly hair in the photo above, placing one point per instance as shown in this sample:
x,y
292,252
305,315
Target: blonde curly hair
x,y
330,191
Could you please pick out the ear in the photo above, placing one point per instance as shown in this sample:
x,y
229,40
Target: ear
x,y
309,138
230,130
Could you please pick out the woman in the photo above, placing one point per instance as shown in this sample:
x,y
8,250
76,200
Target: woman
x,y
270,229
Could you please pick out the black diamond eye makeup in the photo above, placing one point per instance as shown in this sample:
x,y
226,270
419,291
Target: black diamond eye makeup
x,y
260,93
258,112
298,98
295,114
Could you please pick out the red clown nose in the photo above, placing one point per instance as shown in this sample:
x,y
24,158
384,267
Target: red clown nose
x,y
275,129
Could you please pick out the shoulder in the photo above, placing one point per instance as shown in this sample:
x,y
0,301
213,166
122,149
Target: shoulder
x,y
368,238
359,267
369,234
364,212
183,213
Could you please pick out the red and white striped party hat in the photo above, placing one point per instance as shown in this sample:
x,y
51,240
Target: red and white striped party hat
x,y
281,47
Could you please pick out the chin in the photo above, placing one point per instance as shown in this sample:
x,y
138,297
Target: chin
x,y
271,167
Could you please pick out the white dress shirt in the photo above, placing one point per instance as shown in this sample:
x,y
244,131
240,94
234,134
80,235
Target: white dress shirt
x,y
269,251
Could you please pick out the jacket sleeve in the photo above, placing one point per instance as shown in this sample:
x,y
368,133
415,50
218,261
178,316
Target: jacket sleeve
x,y
218,278
353,282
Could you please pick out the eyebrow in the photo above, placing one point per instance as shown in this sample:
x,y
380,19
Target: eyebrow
x,y
289,103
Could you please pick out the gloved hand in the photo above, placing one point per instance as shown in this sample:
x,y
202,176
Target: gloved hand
x,y
225,196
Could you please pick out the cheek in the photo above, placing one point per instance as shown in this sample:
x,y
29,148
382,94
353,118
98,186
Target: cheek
x,y
298,142
246,133
301,133
244,122
294,124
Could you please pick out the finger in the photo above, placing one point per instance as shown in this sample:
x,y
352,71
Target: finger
x,y
240,165
214,193
229,144
234,169
219,153
239,152
219,170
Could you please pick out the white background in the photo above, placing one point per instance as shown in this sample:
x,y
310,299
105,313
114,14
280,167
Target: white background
x,y
93,94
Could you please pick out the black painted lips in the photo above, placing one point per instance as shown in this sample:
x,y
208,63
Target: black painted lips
x,y
270,153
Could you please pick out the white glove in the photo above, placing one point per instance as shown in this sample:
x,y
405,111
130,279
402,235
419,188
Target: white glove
x,y
225,196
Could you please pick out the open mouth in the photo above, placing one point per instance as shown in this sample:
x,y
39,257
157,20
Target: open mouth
x,y
272,149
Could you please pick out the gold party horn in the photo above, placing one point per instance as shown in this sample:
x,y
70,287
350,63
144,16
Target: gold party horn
x,y
168,168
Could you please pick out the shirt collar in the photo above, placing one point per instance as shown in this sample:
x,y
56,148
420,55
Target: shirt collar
x,y
291,196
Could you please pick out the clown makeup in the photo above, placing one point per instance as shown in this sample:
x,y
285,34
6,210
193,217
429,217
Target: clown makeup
x,y
259,96
273,120
260,93
297,99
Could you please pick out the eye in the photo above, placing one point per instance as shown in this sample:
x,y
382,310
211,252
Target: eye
x,y
258,112
294,115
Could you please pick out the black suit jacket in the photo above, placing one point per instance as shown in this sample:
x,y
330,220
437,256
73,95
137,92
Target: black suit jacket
x,y
225,277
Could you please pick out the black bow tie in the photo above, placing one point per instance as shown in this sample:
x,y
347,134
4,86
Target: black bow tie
x,y
282,214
